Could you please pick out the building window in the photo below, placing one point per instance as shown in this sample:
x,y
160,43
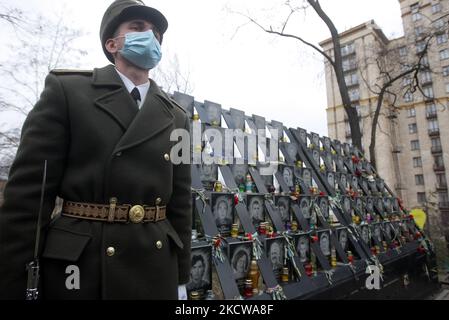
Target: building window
x,y
354,94
411,112
349,64
402,51
419,179
412,128
446,71
433,125
419,30
347,49
447,87
444,54
426,77
431,109
421,197
441,180
425,61
436,142
408,96
441,38
414,145
428,92
443,199
417,162
406,81
420,46
351,79
436,7
439,161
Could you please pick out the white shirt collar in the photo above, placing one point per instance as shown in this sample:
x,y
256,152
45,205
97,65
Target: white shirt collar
x,y
143,88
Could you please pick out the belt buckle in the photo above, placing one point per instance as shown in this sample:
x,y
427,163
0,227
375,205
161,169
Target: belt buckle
x,y
136,214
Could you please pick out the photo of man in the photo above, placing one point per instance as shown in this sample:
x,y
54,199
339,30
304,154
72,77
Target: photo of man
x,y
325,243
343,182
213,114
284,208
200,272
256,209
303,136
222,211
208,172
343,238
304,206
316,156
275,253
377,232
307,177
287,173
324,207
347,205
303,248
331,179
365,234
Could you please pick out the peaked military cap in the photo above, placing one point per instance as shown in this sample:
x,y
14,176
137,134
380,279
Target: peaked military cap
x,y
124,10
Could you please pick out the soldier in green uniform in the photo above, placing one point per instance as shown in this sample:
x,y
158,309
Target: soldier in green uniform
x,y
126,217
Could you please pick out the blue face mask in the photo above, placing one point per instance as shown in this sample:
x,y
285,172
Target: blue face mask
x,y
142,49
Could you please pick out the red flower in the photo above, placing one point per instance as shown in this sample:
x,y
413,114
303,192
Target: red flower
x,y
236,199
321,193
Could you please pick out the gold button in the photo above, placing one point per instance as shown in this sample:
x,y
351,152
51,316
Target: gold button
x,y
110,251
136,214
166,157
159,244
158,201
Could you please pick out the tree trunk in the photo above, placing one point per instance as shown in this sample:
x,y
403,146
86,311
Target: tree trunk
x,y
353,118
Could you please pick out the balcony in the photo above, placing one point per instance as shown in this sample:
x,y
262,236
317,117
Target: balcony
x,y
431,114
442,187
348,134
438,167
426,81
350,67
397,149
428,98
434,132
443,205
436,149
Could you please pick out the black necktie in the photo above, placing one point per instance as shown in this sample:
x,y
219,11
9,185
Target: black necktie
x,y
136,96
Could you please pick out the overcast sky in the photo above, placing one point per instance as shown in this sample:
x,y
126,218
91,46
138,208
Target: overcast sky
x,y
233,64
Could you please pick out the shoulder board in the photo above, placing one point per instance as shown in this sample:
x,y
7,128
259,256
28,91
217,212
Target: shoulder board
x,y
69,71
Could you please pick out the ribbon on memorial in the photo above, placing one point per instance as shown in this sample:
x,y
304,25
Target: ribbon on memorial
x,y
378,265
290,252
329,274
257,245
277,293
200,195
217,247
335,201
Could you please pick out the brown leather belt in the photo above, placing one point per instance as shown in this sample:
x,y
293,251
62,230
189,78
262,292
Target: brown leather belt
x,y
113,212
